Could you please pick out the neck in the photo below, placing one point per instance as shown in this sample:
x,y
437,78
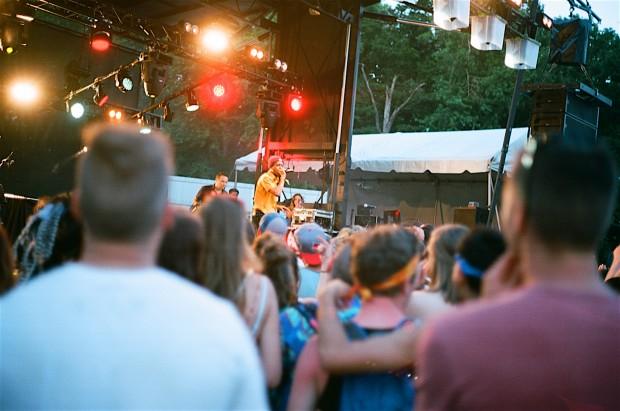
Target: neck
x,y
113,254
382,312
561,268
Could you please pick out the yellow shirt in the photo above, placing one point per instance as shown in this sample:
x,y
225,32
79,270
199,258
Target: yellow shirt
x,y
264,200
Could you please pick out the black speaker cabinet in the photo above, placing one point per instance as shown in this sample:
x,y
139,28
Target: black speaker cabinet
x,y
569,112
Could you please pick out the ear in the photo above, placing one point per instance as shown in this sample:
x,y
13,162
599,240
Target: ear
x,y
167,218
75,205
457,275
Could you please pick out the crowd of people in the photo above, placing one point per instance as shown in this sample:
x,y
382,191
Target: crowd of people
x,y
113,299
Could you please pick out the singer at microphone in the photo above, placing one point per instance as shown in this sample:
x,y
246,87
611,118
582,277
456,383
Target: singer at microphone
x,y
268,188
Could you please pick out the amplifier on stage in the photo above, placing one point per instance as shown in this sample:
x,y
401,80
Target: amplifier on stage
x,y
308,215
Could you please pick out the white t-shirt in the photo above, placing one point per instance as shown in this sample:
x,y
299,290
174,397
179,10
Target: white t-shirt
x,y
85,337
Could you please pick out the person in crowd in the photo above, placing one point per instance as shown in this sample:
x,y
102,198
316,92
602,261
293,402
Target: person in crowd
x,y
555,210
51,237
233,193
428,231
612,279
476,252
8,279
113,331
296,202
268,189
273,223
228,270
384,260
182,246
296,318
441,294
309,241
218,188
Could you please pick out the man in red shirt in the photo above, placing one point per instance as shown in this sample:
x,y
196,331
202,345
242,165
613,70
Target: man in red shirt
x,y
552,344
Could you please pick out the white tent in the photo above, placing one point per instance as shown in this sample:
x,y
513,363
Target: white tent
x,y
444,152
248,162
425,175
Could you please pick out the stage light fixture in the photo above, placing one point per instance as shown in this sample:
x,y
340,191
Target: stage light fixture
x,y
154,72
11,34
277,63
487,32
284,67
215,40
219,90
295,103
145,127
545,21
100,38
451,14
192,102
24,93
516,3
76,109
115,114
123,81
168,114
521,53
100,98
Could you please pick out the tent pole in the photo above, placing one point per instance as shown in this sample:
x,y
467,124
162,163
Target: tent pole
x,y
506,144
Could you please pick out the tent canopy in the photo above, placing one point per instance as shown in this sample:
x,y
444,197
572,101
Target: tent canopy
x,y
248,162
443,152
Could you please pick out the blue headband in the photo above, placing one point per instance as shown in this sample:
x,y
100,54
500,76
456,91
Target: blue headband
x,y
468,269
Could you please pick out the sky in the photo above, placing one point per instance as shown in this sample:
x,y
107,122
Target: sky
x,y
607,10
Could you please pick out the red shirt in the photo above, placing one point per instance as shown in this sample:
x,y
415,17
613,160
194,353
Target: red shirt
x,y
541,348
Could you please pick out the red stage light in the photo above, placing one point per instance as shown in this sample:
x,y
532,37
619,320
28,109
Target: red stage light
x,y
295,103
219,90
100,41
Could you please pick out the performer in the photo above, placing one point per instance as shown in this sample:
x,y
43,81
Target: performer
x,y
268,189
215,189
296,202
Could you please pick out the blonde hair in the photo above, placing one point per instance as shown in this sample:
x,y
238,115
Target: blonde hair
x,y
441,251
123,182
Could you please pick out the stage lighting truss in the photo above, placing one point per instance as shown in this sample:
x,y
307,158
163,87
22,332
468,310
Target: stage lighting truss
x,y
100,98
544,21
123,81
280,65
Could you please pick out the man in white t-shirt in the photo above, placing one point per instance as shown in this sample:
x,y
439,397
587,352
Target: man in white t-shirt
x,y
113,331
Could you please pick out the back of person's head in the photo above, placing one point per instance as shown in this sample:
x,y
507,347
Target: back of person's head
x,y
568,193
51,237
273,223
380,255
441,251
227,253
181,247
280,265
341,264
477,251
7,279
123,182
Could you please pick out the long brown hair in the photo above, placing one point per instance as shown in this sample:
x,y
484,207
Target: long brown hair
x,y
7,280
227,254
441,251
280,265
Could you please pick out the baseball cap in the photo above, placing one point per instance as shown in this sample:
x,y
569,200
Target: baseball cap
x,y
273,160
308,238
273,223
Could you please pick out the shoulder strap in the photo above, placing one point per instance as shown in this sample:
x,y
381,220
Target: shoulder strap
x,y
261,306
